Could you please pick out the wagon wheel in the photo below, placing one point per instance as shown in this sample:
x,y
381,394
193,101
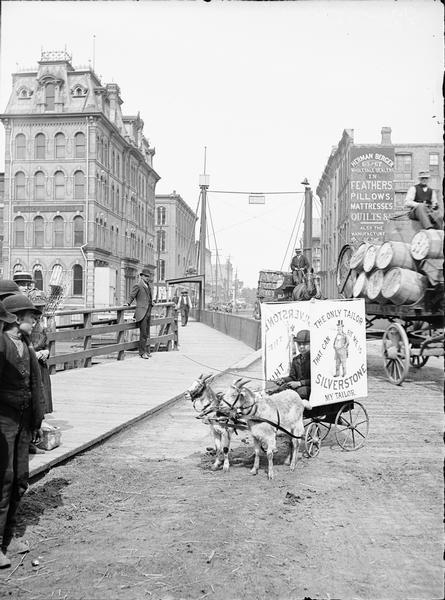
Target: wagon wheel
x,y
418,361
396,353
351,427
312,439
325,428
343,272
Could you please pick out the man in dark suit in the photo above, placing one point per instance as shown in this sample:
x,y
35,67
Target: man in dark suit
x,y
299,266
141,292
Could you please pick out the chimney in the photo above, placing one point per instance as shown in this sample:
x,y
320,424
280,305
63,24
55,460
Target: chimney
x,y
386,136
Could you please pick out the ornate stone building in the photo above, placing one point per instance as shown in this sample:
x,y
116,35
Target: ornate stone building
x,y
79,183
175,239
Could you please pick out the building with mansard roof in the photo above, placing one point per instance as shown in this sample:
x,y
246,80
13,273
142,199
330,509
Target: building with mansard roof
x,y
79,183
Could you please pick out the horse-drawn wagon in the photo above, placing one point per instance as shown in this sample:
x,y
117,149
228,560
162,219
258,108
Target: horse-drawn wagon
x,y
401,281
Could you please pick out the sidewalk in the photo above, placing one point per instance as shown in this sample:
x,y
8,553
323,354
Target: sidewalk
x,y
92,404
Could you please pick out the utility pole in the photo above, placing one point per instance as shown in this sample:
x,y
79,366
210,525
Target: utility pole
x,y
307,231
159,262
204,182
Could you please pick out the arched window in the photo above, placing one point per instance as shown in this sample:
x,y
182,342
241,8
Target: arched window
x,y
50,94
78,230
160,214
38,232
112,197
59,185
79,145
58,227
79,185
19,184
19,232
38,277
161,241
60,145
39,146
77,280
39,186
20,146
161,270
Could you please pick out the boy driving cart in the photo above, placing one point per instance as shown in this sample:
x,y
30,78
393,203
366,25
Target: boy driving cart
x,y
299,378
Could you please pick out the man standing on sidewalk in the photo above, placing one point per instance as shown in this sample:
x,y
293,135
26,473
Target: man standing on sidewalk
x,y
141,292
184,306
21,414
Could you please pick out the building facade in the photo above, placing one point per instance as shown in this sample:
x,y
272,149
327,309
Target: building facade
x,y
362,186
79,184
175,246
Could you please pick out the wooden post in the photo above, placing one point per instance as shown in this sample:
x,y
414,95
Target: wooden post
x,y
120,334
87,338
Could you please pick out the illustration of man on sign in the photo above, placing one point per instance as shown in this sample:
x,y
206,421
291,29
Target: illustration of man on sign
x,y
341,345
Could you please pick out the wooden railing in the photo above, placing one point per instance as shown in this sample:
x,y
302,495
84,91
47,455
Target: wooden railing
x,y
95,329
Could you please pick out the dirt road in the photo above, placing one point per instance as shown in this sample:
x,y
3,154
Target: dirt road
x,y
143,515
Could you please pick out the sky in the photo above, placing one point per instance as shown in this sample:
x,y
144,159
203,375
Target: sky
x,y
267,87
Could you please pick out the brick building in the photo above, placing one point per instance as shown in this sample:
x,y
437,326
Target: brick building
x,y
175,239
362,186
79,183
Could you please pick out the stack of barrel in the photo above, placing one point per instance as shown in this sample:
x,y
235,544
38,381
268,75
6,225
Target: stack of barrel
x,y
399,270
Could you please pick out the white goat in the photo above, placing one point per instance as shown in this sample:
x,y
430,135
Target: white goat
x,y
257,408
211,407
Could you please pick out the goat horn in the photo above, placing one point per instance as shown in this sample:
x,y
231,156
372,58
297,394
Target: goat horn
x,y
236,383
208,377
244,382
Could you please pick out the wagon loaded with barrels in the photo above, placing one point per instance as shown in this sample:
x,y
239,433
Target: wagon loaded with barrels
x,y
402,281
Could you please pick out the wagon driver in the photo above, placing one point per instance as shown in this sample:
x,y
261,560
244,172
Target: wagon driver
x,y
299,378
422,201
299,266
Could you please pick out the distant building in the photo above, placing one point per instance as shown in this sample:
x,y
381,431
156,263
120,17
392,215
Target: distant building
x,y
79,183
222,281
362,186
316,241
175,239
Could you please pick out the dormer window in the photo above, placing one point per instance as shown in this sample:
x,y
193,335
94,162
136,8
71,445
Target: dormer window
x,y
50,94
78,91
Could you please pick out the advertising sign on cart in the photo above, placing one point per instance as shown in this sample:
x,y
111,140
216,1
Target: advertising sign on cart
x,y
337,346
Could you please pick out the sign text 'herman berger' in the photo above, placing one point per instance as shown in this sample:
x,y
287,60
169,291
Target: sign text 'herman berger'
x,y
371,191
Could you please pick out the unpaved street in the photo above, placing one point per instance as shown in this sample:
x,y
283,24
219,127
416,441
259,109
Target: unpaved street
x,y
143,515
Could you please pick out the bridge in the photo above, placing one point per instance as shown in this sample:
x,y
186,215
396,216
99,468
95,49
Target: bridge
x,y
91,404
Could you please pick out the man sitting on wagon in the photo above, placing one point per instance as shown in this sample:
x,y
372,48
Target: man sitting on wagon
x,y
422,201
299,378
299,266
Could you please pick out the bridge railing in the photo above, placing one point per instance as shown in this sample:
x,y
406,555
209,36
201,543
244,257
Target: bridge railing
x,y
105,331
245,329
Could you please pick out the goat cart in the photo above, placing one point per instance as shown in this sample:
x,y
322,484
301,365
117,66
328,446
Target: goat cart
x,y
414,333
351,426
338,372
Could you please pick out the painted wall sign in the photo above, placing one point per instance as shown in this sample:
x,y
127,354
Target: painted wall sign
x,y
371,191
338,346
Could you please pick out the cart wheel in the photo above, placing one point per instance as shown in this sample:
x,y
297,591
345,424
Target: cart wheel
x,y
351,426
418,361
325,428
312,439
396,353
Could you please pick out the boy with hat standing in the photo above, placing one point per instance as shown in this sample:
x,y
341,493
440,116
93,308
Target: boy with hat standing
x,y
422,201
21,414
299,378
24,280
141,292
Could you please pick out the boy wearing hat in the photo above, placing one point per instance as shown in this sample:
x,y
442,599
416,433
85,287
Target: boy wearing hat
x,y
341,345
422,201
20,416
141,292
299,378
24,280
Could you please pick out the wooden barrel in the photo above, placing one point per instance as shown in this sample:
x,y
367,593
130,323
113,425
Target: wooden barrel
x,y
357,258
374,286
394,254
428,243
359,290
402,286
370,256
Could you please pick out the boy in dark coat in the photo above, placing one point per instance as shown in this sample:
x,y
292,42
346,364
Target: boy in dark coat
x,y
299,378
21,413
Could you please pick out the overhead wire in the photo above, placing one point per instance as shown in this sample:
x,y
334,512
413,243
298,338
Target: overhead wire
x,y
218,264
297,218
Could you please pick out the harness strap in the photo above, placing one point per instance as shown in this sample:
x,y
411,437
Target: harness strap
x,y
277,425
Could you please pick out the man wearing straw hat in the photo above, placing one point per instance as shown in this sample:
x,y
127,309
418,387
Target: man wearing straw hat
x,y
422,201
